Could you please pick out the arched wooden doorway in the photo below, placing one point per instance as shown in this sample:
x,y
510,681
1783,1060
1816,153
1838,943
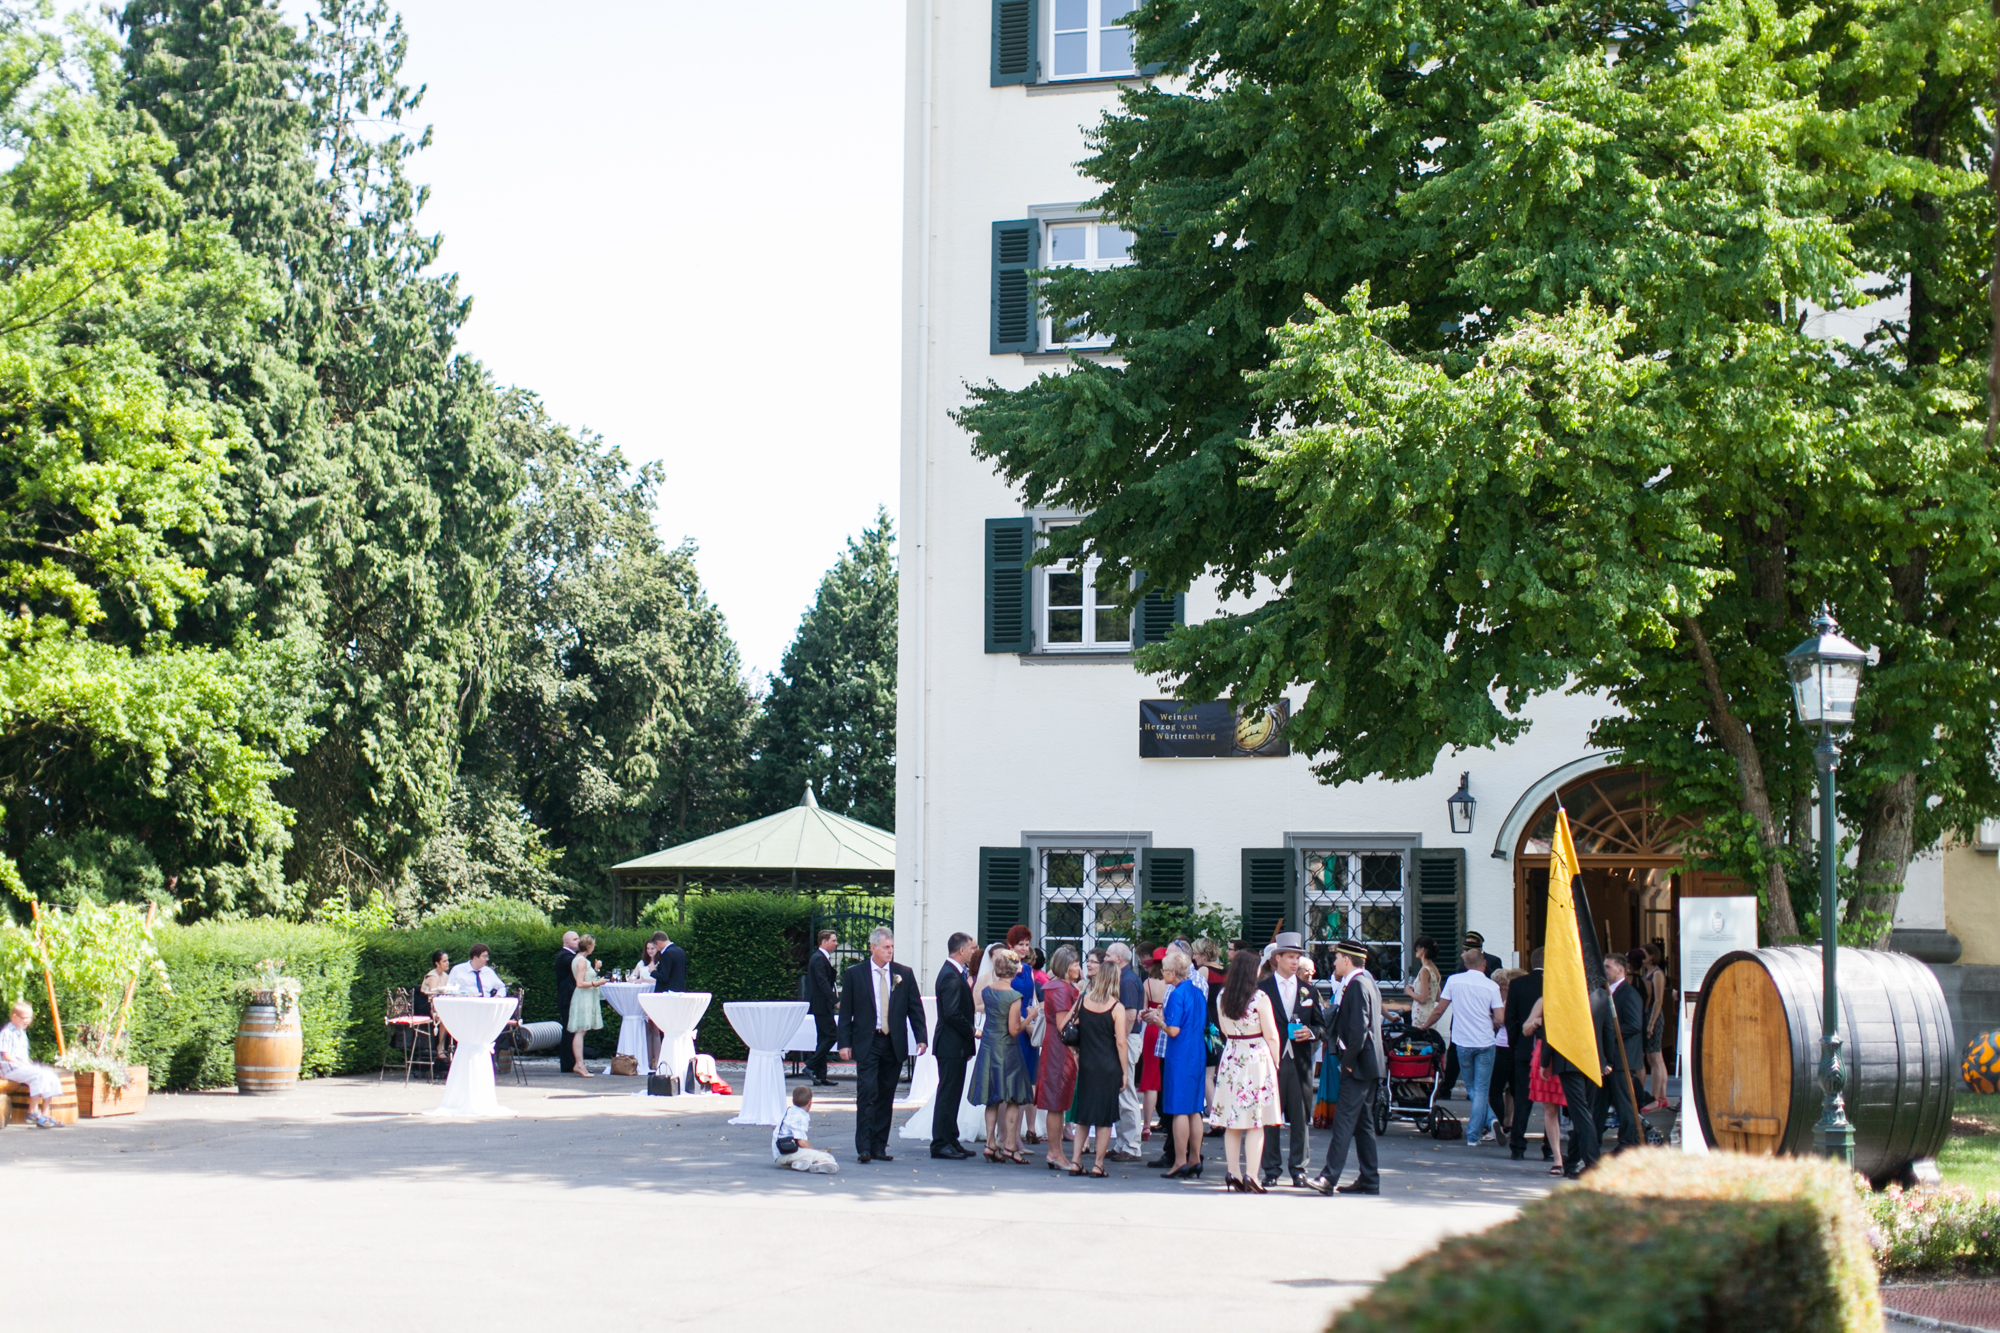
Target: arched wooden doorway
x,y
1631,856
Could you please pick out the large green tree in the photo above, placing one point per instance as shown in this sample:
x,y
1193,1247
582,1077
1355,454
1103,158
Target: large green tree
x,y
1568,419
368,506
107,461
829,718
619,711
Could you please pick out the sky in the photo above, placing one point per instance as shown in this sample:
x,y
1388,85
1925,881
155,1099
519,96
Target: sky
x,y
680,225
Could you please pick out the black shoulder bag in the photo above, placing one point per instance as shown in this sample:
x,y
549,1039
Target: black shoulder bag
x,y
1072,1031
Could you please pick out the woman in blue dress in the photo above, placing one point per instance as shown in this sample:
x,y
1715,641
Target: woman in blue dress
x,y
1021,940
999,1081
1184,1070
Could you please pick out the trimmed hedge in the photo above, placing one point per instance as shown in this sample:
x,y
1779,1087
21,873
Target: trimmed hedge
x,y
1653,1241
743,946
740,946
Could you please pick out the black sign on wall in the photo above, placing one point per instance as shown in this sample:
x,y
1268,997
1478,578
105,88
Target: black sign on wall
x,y
1170,729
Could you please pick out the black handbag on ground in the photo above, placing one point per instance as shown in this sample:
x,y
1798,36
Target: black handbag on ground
x,y
662,1085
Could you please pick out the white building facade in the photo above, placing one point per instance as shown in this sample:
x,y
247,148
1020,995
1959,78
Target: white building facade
x,y
1022,793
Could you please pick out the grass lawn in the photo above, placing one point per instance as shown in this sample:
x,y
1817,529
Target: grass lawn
x,y
1973,1160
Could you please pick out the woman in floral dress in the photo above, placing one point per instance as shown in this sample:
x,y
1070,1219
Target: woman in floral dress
x,y
1246,1081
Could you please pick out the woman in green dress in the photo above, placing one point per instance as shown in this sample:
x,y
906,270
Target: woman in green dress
x,y
586,1007
1000,1079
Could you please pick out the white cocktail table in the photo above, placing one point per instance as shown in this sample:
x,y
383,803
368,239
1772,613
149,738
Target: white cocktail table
x,y
473,1021
765,1026
675,1014
623,996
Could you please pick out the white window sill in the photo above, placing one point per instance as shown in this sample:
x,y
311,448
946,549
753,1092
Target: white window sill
x,y
1081,83
1079,657
1095,353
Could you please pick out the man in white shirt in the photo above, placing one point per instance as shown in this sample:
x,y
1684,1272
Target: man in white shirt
x,y
475,976
1476,1010
15,1067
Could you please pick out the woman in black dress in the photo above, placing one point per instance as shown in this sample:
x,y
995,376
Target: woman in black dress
x,y
1101,1069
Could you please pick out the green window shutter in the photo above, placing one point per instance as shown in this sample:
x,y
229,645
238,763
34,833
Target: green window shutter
x,y
1009,607
1440,876
1014,50
1158,613
1166,877
1270,882
1017,248
1003,891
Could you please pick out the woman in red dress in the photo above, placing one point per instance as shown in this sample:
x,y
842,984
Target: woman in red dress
x,y
1055,1079
1152,1044
1545,1088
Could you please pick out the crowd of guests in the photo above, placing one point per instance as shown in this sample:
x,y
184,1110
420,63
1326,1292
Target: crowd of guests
x,y
1493,1018
1080,1052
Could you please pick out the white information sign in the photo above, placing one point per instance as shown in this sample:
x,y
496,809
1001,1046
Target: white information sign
x,y
1710,928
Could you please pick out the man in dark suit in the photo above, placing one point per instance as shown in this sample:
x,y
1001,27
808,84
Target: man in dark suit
x,y
670,970
821,996
1354,1038
1580,1093
1296,1009
1630,1009
879,1007
1521,998
955,1044
565,989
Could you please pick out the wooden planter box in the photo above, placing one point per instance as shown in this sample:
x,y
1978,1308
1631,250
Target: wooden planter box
x,y
62,1111
95,1095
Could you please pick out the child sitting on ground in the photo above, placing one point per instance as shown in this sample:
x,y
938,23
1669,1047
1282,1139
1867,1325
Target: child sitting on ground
x,y
41,1081
795,1124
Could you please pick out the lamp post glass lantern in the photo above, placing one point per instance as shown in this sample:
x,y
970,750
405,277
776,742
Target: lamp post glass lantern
x,y
1460,804
1825,674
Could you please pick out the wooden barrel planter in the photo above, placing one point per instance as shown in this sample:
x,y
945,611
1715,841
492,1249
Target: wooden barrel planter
x,y
62,1110
1756,1056
269,1047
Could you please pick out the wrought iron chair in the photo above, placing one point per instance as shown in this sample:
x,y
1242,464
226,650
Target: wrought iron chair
x,y
412,1036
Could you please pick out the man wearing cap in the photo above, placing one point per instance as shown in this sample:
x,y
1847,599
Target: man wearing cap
x,y
1299,1015
1354,1038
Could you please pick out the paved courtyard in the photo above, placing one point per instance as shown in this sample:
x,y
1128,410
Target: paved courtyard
x,y
342,1206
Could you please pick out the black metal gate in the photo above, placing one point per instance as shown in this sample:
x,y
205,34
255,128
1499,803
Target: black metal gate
x,y
852,916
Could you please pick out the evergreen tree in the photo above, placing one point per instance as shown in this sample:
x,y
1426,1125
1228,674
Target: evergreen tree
x,y
1564,419
829,719
370,508
619,712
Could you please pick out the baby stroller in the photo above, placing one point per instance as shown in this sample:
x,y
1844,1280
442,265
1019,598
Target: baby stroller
x,y
1416,1070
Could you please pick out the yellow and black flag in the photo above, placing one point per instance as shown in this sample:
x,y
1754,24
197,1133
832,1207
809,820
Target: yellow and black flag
x,y
1567,1023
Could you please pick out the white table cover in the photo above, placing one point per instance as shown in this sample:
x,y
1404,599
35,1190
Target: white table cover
x,y
765,1026
623,996
474,1022
675,1014
806,1037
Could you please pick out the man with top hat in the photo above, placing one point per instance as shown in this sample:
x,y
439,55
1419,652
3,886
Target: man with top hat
x,y
1300,1016
1354,1038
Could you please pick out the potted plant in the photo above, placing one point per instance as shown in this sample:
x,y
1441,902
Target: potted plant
x,y
89,960
269,1043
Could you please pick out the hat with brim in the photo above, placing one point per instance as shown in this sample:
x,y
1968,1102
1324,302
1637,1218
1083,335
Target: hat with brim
x,y
1352,949
1288,941
1474,940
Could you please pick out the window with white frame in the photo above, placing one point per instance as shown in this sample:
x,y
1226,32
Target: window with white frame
x,y
1086,896
1088,39
1358,895
1076,617
1081,243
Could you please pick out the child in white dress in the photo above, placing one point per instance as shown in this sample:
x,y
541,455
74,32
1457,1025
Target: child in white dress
x,y
796,1123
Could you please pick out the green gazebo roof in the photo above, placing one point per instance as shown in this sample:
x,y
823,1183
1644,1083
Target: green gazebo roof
x,y
802,839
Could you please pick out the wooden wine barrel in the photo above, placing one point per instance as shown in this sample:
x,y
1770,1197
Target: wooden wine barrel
x,y
268,1051
1756,1055
62,1109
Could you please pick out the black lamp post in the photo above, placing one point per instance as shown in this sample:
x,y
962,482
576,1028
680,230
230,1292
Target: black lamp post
x,y
1826,681
1460,804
